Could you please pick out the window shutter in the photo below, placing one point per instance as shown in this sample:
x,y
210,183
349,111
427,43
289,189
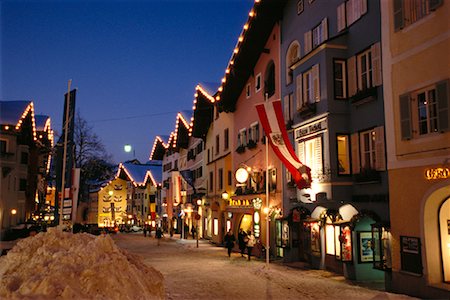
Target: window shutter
x,y
341,17
351,67
316,82
299,86
291,107
354,139
399,19
363,7
376,64
442,94
380,149
308,41
318,162
350,13
301,152
405,116
324,25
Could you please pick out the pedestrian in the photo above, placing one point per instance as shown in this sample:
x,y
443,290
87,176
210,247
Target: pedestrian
x,y
159,234
171,231
242,240
193,231
250,243
229,241
186,231
145,231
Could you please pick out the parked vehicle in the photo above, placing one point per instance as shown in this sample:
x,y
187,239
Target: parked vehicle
x,y
136,228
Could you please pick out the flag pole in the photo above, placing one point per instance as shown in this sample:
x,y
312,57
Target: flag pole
x,y
63,179
267,197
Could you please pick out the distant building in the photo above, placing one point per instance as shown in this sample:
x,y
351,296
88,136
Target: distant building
x,y
25,148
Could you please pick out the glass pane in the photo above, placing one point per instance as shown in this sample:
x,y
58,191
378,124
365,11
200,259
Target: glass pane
x,y
343,155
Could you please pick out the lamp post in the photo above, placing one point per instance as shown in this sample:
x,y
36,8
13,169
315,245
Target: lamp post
x,y
197,218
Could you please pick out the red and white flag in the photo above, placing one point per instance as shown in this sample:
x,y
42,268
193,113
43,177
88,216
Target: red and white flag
x,y
271,117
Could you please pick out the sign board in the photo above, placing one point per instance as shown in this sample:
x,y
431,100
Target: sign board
x,y
311,128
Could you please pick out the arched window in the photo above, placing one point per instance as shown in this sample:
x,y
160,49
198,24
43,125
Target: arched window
x,y
444,228
292,56
269,79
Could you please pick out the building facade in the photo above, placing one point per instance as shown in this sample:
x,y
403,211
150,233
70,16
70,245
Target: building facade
x,y
416,71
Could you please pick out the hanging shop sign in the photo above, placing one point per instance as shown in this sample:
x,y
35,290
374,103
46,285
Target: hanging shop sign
x,y
437,173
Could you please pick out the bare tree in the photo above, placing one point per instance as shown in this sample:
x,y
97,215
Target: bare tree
x,y
90,156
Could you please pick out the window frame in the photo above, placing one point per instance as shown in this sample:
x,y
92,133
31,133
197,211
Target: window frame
x,y
258,83
343,64
364,56
371,152
226,139
348,154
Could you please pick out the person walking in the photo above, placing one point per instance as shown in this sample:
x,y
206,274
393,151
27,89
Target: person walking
x,y
159,234
250,243
242,241
229,241
145,230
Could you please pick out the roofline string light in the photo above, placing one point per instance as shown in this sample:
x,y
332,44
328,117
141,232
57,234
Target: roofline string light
x,y
24,115
158,139
251,15
199,89
186,124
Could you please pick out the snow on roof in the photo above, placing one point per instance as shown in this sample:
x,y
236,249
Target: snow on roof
x,y
42,122
210,87
62,265
11,111
139,173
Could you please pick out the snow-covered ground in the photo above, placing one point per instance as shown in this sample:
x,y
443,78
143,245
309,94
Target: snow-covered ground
x,y
75,266
208,273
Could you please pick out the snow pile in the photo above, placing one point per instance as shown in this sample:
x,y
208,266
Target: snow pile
x,y
76,266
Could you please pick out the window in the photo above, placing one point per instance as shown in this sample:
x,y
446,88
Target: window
x,y
340,80
316,36
258,83
248,92
220,179
269,81
226,134
24,158
368,155
211,178
310,153
217,144
407,12
354,9
364,70
425,111
289,109
292,56
242,137
368,150
343,149
320,33
216,226
230,176
253,132
310,90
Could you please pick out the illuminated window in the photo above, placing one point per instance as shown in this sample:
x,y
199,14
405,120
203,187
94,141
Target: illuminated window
x,y
330,236
337,232
310,153
343,147
216,226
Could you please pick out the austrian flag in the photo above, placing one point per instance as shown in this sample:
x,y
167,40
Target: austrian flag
x,y
271,117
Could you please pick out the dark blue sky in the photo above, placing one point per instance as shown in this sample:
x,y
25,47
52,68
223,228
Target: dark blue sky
x,y
135,63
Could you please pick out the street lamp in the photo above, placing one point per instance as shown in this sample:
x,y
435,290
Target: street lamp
x,y
127,148
13,213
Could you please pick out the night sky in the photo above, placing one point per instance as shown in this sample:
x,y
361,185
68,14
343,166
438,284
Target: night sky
x,y
135,63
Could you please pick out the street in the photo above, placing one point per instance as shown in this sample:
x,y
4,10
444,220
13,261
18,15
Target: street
x,y
208,273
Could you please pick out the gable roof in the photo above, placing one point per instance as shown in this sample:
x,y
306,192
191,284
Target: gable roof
x,y
160,145
13,113
140,174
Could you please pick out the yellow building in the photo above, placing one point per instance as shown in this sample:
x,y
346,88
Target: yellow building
x,y
416,72
112,203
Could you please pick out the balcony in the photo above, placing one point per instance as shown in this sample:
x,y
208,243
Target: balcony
x,y
251,144
307,109
240,149
364,96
